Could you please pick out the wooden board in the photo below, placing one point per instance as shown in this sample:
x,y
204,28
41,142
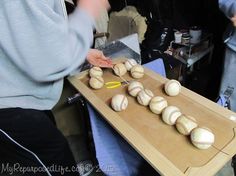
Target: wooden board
x,y
169,152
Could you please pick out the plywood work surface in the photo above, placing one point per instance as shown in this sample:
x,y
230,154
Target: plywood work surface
x,y
161,145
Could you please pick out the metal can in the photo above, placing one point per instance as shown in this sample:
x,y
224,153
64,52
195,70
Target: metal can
x,y
195,33
185,39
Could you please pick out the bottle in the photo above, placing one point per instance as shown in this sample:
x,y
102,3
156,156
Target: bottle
x,y
163,36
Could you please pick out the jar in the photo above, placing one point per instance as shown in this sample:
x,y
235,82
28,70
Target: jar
x,y
185,38
178,37
195,33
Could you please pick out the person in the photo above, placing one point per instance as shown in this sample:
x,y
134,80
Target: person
x,y
233,19
228,7
39,46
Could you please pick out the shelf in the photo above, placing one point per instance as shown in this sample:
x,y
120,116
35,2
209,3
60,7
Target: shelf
x,y
204,38
198,55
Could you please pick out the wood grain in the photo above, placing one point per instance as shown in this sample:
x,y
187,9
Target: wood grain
x,y
161,145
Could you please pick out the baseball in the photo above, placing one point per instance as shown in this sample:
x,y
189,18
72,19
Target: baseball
x,y
134,88
202,138
129,63
95,72
170,114
144,97
119,102
96,82
137,71
185,124
172,87
120,69
157,104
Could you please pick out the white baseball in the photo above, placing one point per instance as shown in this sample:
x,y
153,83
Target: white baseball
x,y
119,102
120,69
129,63
144,97
157,104
137,71
185,124
96,82
202,138
134,88
170,114
172,87
95,72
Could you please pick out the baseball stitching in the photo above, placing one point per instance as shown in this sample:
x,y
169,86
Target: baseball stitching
x,y
122,102
171,115
99,80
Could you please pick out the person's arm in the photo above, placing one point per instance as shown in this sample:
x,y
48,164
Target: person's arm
x,y
42,43
228,7
233,19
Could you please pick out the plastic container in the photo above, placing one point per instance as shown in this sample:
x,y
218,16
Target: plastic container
x,y
195,33
178,36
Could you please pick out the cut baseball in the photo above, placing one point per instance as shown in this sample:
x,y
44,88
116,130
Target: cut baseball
x,y
202,138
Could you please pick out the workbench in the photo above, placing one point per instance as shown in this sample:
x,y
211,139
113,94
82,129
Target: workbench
x,y
167,151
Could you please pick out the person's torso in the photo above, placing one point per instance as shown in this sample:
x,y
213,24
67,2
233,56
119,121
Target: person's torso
x,y
16,87
230,37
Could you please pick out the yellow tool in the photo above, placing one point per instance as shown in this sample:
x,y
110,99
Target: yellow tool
x,y
115,84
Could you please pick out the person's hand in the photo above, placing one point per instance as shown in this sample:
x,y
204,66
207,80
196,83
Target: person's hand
x,y
96,58
94,7
233,19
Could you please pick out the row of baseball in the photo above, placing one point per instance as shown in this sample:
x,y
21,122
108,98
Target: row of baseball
x,y
201,137
97,82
